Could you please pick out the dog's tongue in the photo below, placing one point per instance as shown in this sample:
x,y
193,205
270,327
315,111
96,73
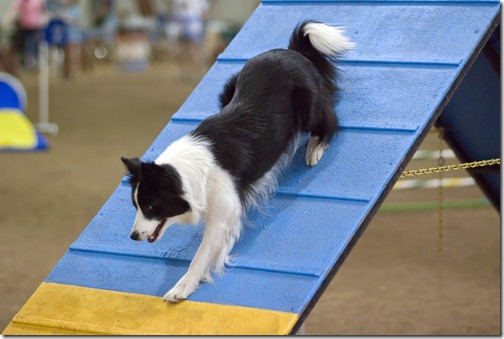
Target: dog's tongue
x,y
155,235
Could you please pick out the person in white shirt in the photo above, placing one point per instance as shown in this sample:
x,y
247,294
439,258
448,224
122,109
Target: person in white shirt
x,y
191,15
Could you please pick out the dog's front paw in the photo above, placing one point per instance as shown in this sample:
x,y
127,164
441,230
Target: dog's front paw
x,y
183,289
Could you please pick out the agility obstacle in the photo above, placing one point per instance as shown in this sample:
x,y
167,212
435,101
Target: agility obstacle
x,y
17,133
410,58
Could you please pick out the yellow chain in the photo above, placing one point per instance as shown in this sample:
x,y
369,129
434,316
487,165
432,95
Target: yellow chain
x,y
445,168
467,165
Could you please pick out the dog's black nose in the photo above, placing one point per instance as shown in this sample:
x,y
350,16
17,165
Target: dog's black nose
x,y
135,235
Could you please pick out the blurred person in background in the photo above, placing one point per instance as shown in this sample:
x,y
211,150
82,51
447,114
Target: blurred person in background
x,y
28,18
72,16
100,39
191,16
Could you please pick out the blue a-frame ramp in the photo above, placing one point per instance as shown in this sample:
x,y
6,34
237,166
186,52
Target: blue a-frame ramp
x,y
410,58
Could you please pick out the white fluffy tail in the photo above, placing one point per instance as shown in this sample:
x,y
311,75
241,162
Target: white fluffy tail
x,y
328,40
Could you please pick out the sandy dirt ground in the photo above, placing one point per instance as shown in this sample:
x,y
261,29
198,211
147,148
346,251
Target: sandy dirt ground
x,y
395,281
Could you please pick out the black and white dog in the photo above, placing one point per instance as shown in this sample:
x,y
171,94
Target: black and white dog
x,y
232,160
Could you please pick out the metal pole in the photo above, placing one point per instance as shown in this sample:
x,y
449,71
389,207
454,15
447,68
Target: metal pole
x,y
44,126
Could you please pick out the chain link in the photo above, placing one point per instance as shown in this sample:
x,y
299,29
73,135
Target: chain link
x,y
467,165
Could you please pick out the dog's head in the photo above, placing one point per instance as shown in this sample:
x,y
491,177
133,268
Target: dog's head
x,y
158,195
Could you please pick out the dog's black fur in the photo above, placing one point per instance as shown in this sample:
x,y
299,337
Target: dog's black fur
x,y
275,96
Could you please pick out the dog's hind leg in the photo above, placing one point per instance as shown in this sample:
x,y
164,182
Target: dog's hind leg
x,y
320,137
317,117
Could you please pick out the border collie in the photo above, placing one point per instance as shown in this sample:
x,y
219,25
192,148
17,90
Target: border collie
x,y
232,160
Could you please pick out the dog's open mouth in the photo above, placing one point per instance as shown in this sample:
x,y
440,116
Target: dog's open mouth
x,y
158,229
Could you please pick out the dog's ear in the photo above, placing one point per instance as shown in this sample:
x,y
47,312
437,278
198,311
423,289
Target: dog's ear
x,y
132,165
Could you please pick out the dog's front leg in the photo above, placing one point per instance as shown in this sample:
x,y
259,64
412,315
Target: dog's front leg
x,y
201,265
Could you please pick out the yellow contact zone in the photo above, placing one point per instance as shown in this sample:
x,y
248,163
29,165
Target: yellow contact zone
x,y
65,309
16,131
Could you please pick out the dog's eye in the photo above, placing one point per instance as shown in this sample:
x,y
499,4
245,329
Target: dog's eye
x,y
148,207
